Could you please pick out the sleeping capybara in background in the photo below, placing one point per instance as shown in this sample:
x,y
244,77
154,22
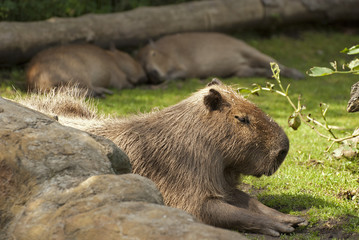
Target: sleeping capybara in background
x,y
85,65
202,55
196,150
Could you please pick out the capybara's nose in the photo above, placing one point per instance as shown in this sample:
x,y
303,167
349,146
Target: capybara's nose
x,y
154,76
281,155
283,149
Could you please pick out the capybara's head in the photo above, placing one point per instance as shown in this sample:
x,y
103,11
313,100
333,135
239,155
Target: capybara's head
x,y
37,80
156,64
250,142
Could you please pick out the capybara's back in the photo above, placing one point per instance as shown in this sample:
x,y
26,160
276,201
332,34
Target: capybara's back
x,y
84,65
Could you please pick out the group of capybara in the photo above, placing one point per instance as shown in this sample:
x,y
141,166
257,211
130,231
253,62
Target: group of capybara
x,y
178,56
195,151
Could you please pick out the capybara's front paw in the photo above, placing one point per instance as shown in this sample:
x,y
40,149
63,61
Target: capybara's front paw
x,y
293,221
276,228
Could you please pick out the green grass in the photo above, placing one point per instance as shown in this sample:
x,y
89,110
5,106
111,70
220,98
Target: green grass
x,y
310,182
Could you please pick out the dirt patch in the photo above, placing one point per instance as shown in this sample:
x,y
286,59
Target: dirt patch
x,y
333,228
351,195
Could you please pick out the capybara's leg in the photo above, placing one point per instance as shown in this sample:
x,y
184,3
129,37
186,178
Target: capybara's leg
x,y
119,80
291,72
280,217
247,71
241,199
100,92
221,214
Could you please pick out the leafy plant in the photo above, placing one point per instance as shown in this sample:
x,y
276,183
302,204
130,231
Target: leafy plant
x,y
298,116
351,67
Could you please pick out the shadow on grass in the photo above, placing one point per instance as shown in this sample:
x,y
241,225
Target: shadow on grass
x,y
339,226
287,202
298,202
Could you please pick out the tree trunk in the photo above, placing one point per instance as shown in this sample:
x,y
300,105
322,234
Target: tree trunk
x,y
19,41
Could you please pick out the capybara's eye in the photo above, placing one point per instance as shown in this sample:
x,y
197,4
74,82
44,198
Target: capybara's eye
x,y
243,119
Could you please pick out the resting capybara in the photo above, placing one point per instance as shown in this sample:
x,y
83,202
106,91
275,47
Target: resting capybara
x,y
202,55
196,150
85,65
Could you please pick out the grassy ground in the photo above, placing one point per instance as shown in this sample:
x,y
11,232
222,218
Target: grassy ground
x,y
310,182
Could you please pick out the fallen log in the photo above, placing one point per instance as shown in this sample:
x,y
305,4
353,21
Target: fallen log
x,y
19,41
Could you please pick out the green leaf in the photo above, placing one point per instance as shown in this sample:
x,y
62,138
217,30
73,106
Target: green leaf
x,y
244,91
275,70
320,71
352,50
294,121
345,50
334,65
354,65
256,86
324,107
270,86
286,91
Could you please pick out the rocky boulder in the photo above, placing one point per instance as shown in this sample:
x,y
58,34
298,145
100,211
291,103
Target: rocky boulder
x,y
349,148
353,103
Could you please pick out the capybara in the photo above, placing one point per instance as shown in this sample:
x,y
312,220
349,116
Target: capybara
x,y
202,55
196,151
85,65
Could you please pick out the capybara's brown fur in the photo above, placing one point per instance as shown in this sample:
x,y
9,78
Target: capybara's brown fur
x,y
196,150
85,65
202,55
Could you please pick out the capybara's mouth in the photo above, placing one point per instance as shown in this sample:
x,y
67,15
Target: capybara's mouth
x,y
271,171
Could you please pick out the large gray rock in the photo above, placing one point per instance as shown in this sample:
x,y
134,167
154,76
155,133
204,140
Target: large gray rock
x,y
353,103
49,150
37,151
109,207
349,148
57,182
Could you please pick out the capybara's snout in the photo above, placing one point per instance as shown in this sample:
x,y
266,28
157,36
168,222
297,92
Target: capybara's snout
x,y
283,147
154,76
279,152
282,153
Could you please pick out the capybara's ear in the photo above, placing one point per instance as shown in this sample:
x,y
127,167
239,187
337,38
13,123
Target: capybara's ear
x,y
214,100
215,81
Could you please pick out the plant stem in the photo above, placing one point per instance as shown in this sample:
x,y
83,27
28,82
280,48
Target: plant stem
x,y
346,72
298,109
